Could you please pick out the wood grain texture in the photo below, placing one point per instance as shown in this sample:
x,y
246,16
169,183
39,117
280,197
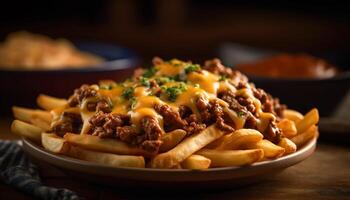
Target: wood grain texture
x,y
326,175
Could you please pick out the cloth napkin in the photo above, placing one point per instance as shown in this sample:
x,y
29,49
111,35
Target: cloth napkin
x,y
17,171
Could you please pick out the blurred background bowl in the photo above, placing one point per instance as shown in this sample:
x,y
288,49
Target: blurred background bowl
x,y
301,94
305,94
21,87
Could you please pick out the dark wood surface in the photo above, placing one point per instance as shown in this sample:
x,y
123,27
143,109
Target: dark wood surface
x,y
325,175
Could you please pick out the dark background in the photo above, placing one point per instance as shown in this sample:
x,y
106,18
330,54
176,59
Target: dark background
x,y
189,29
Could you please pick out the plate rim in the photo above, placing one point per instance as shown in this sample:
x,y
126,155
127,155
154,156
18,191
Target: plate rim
x,y
222,173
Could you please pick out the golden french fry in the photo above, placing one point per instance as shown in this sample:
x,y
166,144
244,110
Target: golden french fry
x,y
293,115
270,149
227,158
27,130
38,118
304,137
106,158
239,138
53,143
186,148
171,139
196,162
311,118
49,103
288,128
107,145
288,145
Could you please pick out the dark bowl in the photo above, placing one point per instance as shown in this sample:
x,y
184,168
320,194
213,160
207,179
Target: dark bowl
x,y
21,87
304,94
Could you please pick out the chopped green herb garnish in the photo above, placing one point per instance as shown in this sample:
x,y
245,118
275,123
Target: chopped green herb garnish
x,y
174,91
133,102
162,80
128,93
106,87
240,114
196,85
223,78
192,68
149,72
145,82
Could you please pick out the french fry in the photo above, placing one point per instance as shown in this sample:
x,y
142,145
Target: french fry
x,y
228,158
186,148
59,145
304,137
106,158
53,143
288,128
293,115
26,130
288,145
107,145
196,162
171,139
38,118
311,118
49,103
239,138
270,149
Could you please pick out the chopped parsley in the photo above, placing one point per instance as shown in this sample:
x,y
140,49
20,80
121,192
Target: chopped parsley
x,y
240,114
145,82
163,80
149,72
106,87
128,93
223,77
133,102
192,68
196,85
174,91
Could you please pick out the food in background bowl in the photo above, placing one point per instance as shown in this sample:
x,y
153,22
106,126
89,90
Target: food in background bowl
x,y
290,66
24,50
174,115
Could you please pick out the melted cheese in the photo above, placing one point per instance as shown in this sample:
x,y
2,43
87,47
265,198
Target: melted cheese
x,y
167,69
209,86
206,80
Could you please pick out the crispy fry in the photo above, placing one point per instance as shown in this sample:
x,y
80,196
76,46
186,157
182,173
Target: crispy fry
x,y
311,118
106,158
186,148
36,117
171,139
293,115
270,149
239,138
54,143
49,103
288,128
288,145
26,130
196,162
107,145
304,137
227,158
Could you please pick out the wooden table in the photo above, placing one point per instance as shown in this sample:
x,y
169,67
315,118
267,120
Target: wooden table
x,y
326,175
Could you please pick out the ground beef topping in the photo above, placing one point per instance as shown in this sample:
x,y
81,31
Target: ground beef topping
x,y
172,118
107,125
211,112
68,122
215,66
79,94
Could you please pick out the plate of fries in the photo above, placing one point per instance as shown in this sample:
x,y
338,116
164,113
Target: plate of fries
x,y
153,129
